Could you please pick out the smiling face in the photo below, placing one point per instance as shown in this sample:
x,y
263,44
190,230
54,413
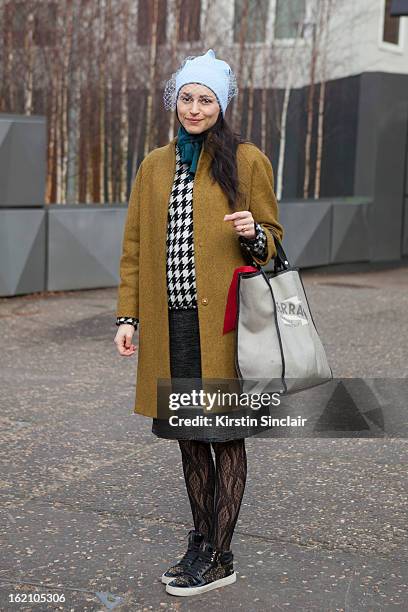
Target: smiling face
x,y
197,102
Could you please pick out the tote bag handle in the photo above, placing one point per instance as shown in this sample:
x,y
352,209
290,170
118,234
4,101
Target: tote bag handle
x,y
281,261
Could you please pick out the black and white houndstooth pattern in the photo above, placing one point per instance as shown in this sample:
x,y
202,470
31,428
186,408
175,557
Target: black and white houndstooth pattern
x,y
181,285
255,246
128,320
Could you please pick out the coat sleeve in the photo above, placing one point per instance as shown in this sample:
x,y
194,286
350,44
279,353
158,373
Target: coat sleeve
x,y
263,204
128,290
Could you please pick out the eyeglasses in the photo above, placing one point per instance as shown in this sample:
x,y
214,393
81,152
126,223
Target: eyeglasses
x,y
187,98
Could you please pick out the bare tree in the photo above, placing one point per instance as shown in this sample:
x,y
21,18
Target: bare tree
x,y
175,20
266,54
237,110
73,102
250,90
310,105
153,48
284,114
108,84
325,24
124,114
8,94
29,55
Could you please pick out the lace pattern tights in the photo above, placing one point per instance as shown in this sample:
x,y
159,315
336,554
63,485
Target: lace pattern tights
x,y
215,491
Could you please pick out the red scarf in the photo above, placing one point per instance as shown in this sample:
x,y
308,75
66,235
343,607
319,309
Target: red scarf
x,y
231,309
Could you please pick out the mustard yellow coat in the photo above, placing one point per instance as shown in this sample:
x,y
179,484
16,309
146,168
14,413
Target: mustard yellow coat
x,y
142,290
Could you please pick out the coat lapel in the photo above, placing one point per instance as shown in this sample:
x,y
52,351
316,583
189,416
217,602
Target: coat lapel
x,y
161,187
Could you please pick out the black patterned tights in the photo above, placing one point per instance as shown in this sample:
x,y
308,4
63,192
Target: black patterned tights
x,y
215,492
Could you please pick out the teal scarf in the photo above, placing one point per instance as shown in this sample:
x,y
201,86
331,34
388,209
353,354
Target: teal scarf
x,y
190,147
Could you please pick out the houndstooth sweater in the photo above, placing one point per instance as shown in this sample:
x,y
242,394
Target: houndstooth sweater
x,y
180,270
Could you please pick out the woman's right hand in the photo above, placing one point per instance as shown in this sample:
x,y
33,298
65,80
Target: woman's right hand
x,y
123,340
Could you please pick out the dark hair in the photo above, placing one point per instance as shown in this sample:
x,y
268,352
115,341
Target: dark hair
x,y
222,143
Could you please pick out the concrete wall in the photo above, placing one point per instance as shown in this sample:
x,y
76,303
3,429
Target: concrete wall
x,y
381,160
365,151
59,248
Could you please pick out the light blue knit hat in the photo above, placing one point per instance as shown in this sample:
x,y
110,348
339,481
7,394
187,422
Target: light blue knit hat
x,y
205,70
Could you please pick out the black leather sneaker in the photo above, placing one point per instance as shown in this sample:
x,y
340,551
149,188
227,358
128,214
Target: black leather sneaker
x,y
194,540
210,569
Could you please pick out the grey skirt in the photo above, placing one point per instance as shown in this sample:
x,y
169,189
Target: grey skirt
x,y
185,362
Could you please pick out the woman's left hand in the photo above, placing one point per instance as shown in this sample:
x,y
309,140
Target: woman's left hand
x,y
244,223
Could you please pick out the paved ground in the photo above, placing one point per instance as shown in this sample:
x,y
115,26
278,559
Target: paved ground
x,y
94,508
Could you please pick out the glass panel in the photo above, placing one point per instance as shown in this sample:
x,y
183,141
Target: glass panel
x,y
288,15
250,18
391,25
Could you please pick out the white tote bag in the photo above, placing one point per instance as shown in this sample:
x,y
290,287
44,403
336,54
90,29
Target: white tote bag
x,y
277,344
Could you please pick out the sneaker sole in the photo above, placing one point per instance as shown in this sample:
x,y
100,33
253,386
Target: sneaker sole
x,y
187,591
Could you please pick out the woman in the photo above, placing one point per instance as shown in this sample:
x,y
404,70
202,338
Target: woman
x,y
199,207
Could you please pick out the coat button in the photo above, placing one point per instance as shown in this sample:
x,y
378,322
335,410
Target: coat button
x,y
204,301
